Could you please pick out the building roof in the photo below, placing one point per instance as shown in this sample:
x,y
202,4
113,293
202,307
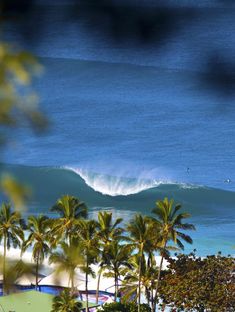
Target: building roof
x,y
28,301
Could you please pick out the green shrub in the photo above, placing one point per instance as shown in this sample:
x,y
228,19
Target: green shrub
x,y
124,307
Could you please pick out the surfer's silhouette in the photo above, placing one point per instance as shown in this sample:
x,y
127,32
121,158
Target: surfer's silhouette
x,y
188,169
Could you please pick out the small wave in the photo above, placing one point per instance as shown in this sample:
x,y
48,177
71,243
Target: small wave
x,y
190,186
114,185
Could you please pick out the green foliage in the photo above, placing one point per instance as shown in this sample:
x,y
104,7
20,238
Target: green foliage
x,y
117,258
68,258
142,237
169,225
11,232
199,284
70,210
17,192
18,102
18,106
169,222
66,302
38,228
148,277
108,229
124,307
11,226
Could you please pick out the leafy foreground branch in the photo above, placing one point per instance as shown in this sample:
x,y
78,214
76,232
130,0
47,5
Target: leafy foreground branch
x,y
199,284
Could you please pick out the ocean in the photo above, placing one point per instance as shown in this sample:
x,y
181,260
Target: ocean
x,y
140,99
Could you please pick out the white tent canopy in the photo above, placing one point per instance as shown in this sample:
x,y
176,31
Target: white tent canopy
x,y
106,284
27,279
62,279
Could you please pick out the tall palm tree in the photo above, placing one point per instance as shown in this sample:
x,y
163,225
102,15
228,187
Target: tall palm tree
x,y
66,302
108,230
70,210
11,231
117,259
68,258
38,238
130,283
89,243
141,236
170,223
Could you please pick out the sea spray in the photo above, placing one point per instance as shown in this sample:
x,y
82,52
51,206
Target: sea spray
x,y
115,185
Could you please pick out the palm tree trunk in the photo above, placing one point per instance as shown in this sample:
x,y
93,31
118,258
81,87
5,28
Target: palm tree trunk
x,y
72,283
152,281
152,301
98,285
116,287
37,265
139,282
87,308
159,276
4,263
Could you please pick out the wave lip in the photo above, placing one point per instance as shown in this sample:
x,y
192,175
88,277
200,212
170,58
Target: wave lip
x,y
115,185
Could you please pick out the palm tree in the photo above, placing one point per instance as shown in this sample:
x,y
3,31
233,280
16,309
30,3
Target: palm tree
x,y
66,302
169,222
89,243
38,237
130,283
68,258
108,230
70,209
11,231
117,258
141,236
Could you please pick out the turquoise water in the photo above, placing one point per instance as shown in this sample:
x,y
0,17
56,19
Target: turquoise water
x,y
135,114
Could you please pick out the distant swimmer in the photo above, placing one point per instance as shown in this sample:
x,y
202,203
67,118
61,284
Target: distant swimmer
x,y
227,181
188,169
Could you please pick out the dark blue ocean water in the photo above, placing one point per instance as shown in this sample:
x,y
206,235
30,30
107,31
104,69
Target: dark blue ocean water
x,y
141,98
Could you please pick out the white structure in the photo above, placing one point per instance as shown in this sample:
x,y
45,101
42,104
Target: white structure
x,y
62,279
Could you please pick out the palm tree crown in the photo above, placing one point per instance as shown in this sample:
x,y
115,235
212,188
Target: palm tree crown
x,y
11,231
66,302
70,209
169,221
11,226
107,229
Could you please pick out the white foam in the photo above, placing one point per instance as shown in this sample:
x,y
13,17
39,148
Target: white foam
x,y
114,185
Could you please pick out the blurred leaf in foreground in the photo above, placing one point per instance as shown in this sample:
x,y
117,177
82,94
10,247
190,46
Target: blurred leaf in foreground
x,y
18,107
15,191
18,101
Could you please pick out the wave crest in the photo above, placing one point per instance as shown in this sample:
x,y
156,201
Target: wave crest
x,y
114,185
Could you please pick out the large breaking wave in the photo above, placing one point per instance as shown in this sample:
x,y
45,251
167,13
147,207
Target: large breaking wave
x,y
212,209
116,185
101,191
